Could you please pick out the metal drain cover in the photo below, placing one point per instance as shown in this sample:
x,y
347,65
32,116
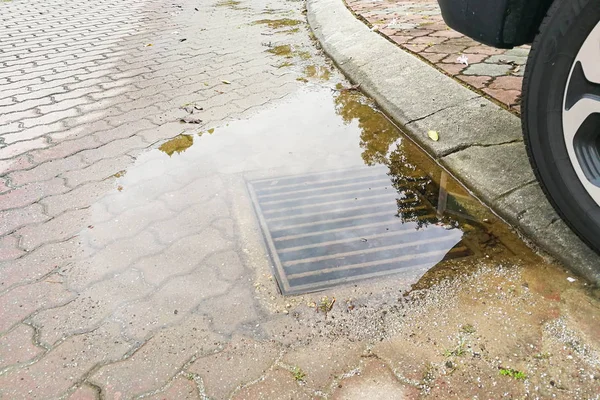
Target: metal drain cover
x,y
331,228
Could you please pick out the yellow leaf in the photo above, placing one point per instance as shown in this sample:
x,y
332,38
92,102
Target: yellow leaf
x,y
433,135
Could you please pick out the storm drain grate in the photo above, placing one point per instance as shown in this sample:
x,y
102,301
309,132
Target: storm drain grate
x,y
330,228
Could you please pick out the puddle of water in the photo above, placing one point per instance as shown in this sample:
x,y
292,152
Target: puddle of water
x,y
341,195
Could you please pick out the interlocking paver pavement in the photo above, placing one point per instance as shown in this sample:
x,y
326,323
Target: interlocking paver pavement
x,y
131,262
417,26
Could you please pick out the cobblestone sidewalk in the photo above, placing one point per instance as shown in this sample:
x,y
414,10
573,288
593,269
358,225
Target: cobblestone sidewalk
x,y
417,26
131,262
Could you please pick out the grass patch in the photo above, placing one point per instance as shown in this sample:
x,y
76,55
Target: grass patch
x,y
458,351
299,375
513,373
468,328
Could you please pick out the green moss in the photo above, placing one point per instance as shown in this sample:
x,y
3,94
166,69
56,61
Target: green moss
x,y
278,23
312,71
178,144
284,50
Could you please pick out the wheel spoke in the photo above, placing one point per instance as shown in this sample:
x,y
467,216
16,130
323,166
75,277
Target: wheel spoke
x,y
589,56
576,116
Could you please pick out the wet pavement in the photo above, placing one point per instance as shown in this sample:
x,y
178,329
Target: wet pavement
x,y
146,257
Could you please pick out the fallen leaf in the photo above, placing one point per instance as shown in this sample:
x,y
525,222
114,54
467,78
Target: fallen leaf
x,y
226,82
149,44
182,40
433,135
349,88
190,120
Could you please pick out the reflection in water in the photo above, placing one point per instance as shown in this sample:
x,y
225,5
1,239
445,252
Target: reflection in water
x,y
376,133
428,196
178,144
341,196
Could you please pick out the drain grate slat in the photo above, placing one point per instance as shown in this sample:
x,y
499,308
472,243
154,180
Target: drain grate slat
x,y
348,245
324,229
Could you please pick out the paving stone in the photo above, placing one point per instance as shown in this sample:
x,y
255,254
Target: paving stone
x,y
90,307
507,83
182,388
277,384
190,221
9,249
37,264
65,365
452,69
21,301
518,52
113,149
31,193
33,133
471,58
241,361
503,58
375,382
98,171
57,229
323,361
130,223
487,69
22,147
79,131
428,40
183,256
230,312
434,57
161,357
17,346
64,149
13,219
171,303
85,392
81,197
445,48
46,171
508,97
475,81
112,259
17,163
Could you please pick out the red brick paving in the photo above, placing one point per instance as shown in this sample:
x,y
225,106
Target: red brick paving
x,y
418,27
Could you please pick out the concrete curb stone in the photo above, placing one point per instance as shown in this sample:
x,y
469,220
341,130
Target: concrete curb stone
x,y
480,143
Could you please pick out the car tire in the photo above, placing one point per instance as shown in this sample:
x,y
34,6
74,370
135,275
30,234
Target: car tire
x,y
559,89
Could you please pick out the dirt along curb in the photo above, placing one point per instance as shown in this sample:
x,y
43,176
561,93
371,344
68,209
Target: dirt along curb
x,y
479,142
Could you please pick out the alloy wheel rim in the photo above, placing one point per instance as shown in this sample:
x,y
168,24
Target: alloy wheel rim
x,y
581,114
